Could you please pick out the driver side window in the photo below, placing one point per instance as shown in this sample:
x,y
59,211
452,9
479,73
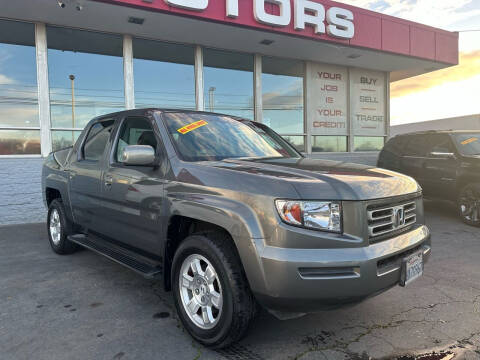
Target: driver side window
x,y
135,131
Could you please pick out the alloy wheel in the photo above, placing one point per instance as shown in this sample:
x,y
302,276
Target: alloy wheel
x,y
200,291
55,227
469,204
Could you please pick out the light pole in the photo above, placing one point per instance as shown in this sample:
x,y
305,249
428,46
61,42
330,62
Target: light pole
x,y
72,81
211,98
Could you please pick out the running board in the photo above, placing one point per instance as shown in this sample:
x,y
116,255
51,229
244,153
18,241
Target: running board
x,y
136,262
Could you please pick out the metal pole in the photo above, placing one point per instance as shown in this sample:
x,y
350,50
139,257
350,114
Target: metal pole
x,y
72,79
211,98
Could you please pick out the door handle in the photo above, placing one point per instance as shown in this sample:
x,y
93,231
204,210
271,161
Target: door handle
x,y
108,180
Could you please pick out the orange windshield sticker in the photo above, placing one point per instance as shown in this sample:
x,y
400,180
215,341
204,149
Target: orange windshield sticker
x,y
468,141
192,126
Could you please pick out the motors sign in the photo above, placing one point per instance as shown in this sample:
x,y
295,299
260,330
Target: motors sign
x,y
302,17
336,22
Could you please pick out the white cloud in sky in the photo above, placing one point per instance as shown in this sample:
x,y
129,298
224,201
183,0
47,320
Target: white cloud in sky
x,y
437,13
5,80
442,101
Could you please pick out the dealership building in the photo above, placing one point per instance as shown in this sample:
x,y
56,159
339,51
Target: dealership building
x,y
317,72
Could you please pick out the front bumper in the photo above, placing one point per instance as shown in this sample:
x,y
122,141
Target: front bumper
x,y
309,280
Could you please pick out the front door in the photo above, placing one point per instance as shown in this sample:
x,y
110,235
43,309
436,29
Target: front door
x,y
85,184
133,195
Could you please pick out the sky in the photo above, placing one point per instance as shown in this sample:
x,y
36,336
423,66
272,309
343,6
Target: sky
x,y
450,92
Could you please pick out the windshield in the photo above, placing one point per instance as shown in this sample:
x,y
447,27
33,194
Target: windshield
x,y
200,137
468,144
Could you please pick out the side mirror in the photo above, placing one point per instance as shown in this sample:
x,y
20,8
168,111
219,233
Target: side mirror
x,y
442,155
138,155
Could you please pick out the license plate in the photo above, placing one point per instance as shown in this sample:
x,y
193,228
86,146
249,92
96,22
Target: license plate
x,y
412,268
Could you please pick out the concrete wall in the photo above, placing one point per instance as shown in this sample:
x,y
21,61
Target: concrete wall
x,y
470,122
21,193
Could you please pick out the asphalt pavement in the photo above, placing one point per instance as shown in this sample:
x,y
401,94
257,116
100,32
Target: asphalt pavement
x,y
83,306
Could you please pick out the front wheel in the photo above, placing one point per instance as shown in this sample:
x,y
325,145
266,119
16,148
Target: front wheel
x,y
211,292
59,227
469,204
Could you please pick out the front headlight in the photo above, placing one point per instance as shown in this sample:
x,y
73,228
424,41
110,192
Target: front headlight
x,y
317,215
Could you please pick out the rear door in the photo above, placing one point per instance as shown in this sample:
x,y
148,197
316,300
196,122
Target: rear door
x,y
413,156
85,183
440,169
133,196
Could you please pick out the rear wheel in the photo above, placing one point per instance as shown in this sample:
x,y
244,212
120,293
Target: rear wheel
x,y
469,204
59,227
211,292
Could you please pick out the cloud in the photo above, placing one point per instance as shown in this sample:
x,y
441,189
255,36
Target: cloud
x,y
18,115
437,13
468,67
5,80
443,101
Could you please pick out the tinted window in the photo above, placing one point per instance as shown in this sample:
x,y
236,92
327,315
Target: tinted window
x,y
164,74
228,78
85,72
282,94
97,139
135,131
416,146
395,145
439,143
199,137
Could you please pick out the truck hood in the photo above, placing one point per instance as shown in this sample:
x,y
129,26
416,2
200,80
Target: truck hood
x,y
324,179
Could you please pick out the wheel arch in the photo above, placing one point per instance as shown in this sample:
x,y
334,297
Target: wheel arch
x,y
236,220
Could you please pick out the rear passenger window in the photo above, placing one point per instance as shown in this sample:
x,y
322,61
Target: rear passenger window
x,y
395,145
416,146
440,144
96,140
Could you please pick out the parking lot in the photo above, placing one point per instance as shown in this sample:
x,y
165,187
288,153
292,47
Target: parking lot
x,y
84,306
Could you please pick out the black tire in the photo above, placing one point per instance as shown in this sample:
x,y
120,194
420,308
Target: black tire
x,y
239,305
468,204
60,245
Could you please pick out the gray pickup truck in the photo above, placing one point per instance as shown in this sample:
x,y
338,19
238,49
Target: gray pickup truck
x,y
229,215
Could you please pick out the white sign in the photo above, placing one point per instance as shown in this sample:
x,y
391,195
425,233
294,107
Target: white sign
x,y
327,100
336,22
368,102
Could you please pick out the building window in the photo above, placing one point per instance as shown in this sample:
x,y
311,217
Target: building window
x,y
164,74
19,123
298,142
368,143
329,144
228,81
85,72
19,142
64,138
282,95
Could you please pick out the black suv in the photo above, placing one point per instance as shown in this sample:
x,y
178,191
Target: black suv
x,y
445,163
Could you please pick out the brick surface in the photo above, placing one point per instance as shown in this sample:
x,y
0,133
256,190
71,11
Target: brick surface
x,y
20,191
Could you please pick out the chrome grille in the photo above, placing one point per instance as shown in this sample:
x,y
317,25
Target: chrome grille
x,y
388,219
